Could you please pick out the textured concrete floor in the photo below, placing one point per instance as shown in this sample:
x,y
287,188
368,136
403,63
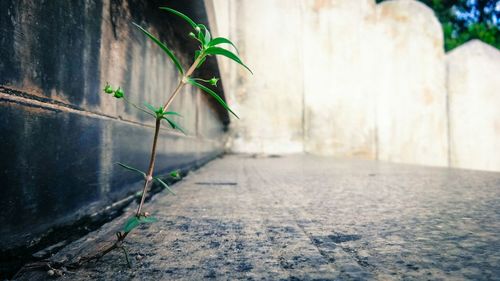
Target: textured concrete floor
x,y
312,218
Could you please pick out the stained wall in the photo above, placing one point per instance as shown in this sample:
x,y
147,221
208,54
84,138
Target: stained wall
x,y
474,106
351,78
61,136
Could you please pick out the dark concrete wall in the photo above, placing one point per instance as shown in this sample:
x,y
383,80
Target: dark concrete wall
x,y
60,137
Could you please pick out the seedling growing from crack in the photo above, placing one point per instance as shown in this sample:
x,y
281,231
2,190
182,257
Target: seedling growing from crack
x,y
208,46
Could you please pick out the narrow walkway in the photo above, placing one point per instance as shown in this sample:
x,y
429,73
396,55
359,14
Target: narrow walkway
x,y
306,218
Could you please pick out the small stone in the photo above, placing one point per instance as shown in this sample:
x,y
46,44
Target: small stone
x,y
50,272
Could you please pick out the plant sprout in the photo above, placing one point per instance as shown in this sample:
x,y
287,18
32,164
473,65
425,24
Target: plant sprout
x,y
208,46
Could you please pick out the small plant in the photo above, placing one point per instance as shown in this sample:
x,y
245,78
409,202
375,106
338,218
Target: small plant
x,y
208,46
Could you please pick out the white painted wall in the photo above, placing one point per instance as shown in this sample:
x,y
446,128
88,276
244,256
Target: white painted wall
x,y
474,100
411,93
269,102
338,77
348,78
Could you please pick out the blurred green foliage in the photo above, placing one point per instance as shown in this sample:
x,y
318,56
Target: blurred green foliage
x,y
464,20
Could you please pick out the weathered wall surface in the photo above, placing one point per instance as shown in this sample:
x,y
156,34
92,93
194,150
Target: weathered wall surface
x,y
270,101
61,136
338,101
367,81
411,92
474,106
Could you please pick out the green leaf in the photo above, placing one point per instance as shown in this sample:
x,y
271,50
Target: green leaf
x,y
131,223
175,174
213,94
150,107
164,185
135,221
226,53
201,37
172,113
137,107
222,40
206,34
163,47
131,169
179,14
159,111
174,125
147,219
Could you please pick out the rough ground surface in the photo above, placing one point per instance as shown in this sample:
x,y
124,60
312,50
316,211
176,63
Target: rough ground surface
x,y
312,218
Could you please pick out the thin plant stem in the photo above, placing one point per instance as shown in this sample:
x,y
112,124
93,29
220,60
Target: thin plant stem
x,y
171,99
182,82
149,176
126,256
136,106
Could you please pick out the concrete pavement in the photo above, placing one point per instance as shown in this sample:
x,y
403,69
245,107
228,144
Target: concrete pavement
x,y
303,217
